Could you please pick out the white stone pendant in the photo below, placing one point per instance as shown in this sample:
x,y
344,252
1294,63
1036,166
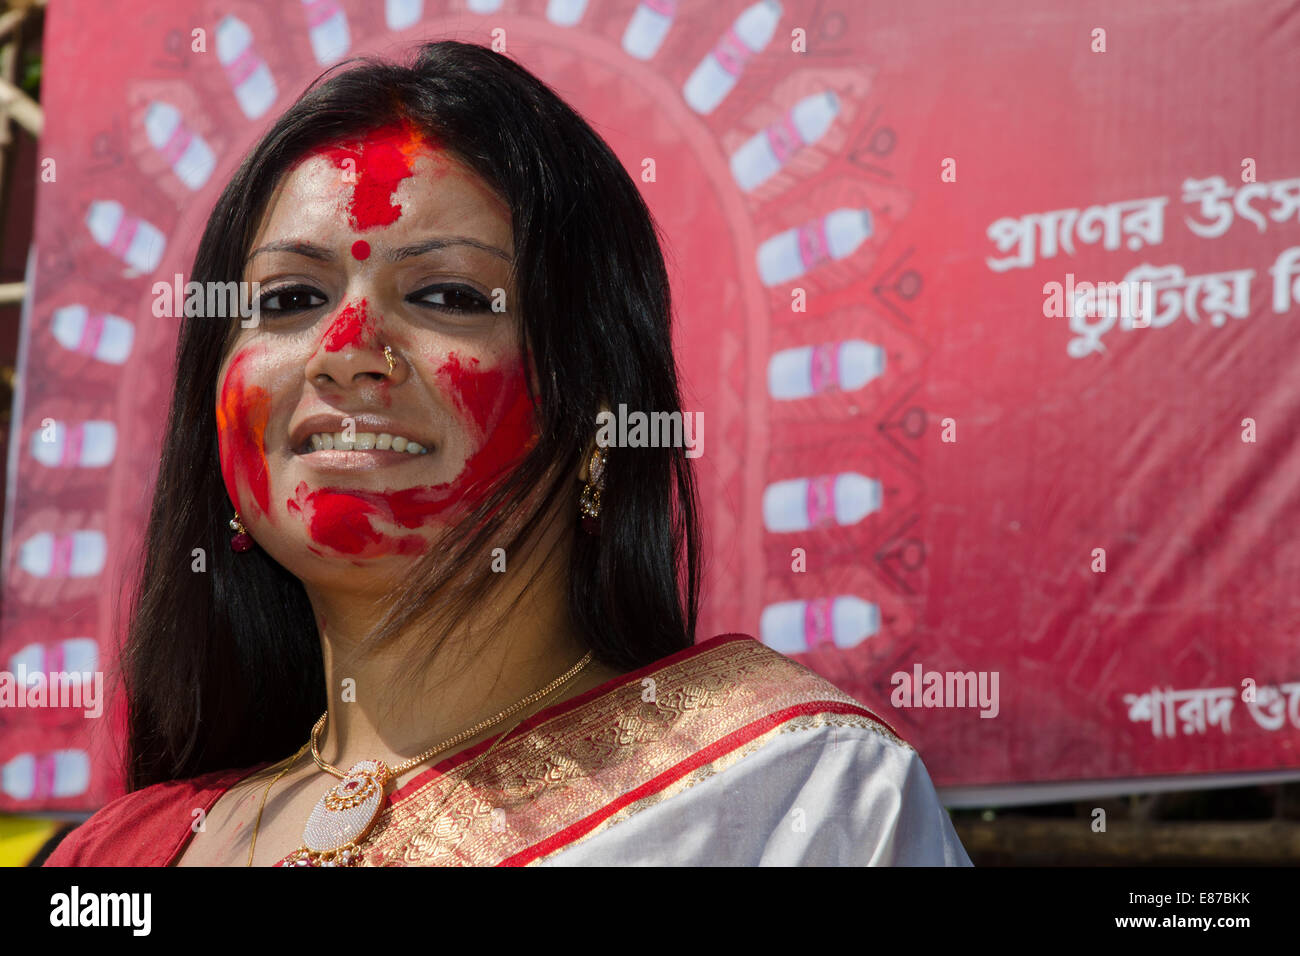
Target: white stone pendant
x,y
347,812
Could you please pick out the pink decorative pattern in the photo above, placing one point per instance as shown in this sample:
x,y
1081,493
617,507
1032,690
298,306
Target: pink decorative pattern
x,y
818,625
122,236
826,368
91,333
821,501
784,138
243,66
43,776
732,53
176,144
61,556
318,11
814,245
74,437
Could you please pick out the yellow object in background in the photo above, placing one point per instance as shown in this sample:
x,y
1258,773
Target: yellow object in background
x,y
21,837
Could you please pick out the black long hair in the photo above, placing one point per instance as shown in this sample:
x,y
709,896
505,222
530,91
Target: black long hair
x,y
223,669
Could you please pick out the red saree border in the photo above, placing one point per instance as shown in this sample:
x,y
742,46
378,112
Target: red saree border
x,y
709,754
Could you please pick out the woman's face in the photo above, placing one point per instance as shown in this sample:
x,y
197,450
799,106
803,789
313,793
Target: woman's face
x,y
379,241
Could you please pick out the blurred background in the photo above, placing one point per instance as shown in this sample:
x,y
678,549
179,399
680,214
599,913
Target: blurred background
x,y
930,456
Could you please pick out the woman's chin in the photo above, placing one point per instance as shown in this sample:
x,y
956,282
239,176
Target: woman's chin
x,y
318,563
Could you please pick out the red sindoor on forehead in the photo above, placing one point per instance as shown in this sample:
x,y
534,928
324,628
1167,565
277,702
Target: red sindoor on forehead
x,y
377,162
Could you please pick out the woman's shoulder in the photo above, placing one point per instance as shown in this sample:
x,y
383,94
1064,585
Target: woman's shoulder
x,y
780,767
738,674
145,827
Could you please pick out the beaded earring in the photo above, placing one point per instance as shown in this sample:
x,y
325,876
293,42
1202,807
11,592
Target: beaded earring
x,y
242,541
589,503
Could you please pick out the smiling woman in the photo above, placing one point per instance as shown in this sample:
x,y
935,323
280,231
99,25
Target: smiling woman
x,y
479,622
374,363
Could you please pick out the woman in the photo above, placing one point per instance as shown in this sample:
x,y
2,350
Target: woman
x,y
470,625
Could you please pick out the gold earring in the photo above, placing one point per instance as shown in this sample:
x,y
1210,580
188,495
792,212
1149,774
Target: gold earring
x,y
589,502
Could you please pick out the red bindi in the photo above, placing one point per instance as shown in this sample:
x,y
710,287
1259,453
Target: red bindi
x,y
361,250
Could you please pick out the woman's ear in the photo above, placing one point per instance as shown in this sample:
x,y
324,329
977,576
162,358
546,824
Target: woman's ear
x,y
584,471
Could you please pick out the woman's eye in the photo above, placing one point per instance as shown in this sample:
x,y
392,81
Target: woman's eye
x,y
451,298
294,299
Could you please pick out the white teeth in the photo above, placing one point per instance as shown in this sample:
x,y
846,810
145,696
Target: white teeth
x,y
365,441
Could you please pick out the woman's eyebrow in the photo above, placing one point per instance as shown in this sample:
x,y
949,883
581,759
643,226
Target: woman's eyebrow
x,y
321,254
430,245
297,247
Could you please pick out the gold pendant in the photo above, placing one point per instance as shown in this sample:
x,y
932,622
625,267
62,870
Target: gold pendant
x,y
343,818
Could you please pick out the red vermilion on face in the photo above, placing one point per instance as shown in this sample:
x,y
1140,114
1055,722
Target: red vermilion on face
x,y
242,413
353,328
344,519
378,162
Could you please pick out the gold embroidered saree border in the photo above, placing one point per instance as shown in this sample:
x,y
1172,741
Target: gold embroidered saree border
x,y
555,784
809,721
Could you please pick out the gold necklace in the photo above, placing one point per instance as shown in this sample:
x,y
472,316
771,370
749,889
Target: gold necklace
x,y
266,793
344,816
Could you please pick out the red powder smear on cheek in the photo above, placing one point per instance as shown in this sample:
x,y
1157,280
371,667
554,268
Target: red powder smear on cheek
x,y
343,521
378,162
498,402
242,414
361,250
352,329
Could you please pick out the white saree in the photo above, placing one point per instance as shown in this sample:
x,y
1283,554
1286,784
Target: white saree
x,y
727,753
833,794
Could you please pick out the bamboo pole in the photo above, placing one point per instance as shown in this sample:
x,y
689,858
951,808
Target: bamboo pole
x,y
21,108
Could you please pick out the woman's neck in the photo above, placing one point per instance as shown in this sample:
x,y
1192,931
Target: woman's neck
x,y
391,703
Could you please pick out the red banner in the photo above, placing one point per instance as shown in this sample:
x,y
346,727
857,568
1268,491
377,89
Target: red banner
x,y
989,319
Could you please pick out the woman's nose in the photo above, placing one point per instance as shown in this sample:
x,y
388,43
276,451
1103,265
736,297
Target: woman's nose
x,y
351,350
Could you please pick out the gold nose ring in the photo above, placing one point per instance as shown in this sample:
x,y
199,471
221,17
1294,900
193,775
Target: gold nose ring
x,y
388,354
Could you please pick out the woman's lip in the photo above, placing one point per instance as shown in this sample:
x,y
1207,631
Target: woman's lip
x,y
370,458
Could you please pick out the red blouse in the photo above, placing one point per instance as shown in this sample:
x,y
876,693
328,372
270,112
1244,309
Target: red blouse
x,y
149,827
